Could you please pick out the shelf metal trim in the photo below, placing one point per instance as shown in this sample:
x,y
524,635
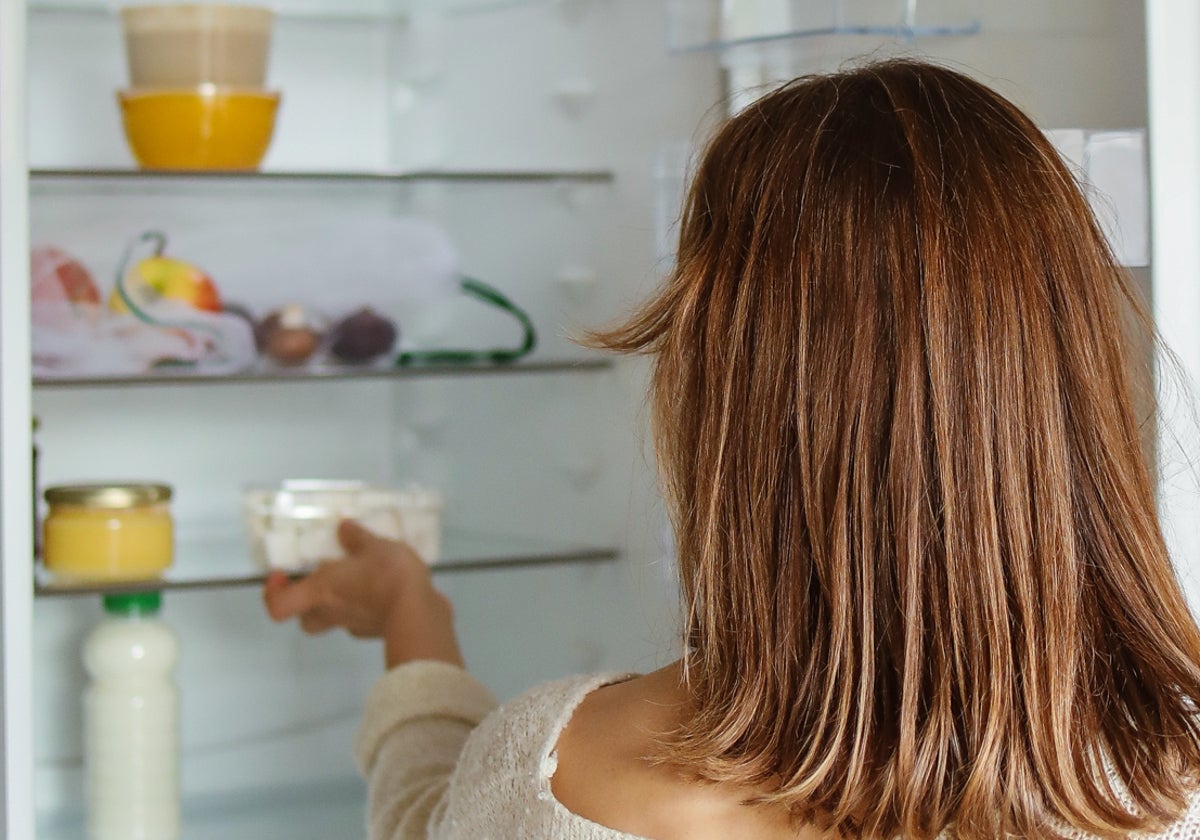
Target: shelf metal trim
x,y
111,11
398,14
45,588
152,176
906,33
324,374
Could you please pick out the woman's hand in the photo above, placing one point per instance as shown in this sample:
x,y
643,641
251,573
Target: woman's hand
x,y
380,589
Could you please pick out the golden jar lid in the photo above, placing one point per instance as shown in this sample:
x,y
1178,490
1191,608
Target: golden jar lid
x,y
108,496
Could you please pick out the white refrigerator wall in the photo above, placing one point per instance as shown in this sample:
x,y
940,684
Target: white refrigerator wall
x,y
567,84
541,86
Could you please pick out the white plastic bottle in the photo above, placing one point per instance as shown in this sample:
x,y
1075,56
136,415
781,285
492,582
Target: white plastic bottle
x,y
131,717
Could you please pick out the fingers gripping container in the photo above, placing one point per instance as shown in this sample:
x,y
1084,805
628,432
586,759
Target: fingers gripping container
x,y
293,527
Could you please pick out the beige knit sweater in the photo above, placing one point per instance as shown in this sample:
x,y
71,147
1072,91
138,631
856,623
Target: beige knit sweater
x,y
444,763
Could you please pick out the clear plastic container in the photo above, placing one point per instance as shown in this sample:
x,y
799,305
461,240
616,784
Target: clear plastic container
x,y
108,532
293,526
183,45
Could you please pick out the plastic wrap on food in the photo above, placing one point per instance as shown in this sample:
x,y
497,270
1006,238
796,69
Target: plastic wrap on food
x,y
73,340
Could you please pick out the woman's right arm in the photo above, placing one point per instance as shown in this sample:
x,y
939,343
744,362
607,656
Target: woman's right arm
x,y
417,719
420,713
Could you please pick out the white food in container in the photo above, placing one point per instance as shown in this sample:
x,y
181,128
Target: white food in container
x,y
293,526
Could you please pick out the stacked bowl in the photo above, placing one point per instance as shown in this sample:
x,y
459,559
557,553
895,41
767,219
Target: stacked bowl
x,y
197,98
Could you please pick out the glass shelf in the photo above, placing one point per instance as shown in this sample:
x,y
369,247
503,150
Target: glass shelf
x,y
334,809
222,563
365,11
700,25
136,177
325,374
895,32
324,11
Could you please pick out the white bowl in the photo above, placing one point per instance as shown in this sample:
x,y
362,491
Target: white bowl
x,y
293,526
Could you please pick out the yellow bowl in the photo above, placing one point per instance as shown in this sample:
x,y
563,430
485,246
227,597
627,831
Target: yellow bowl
x,y
198,128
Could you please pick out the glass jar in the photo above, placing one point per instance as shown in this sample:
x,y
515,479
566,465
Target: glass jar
x,y
108,532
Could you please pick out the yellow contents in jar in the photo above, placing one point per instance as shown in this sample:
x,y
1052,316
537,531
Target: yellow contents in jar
x,y
108,532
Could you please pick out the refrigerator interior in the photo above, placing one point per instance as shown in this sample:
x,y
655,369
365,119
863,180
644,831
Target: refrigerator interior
x,y
594,101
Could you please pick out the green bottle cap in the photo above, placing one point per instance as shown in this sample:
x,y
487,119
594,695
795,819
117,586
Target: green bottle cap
x,y
133,603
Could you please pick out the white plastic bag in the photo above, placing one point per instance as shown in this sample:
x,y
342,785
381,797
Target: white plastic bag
x,y
331,266
80,340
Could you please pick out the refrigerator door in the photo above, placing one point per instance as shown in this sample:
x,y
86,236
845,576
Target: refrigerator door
x,y
16,538
1173,61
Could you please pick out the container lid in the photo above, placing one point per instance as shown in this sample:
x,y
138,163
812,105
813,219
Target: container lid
x,y
110,496
133,603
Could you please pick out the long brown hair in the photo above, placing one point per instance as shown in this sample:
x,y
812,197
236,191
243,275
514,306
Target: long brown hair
x,y
925,585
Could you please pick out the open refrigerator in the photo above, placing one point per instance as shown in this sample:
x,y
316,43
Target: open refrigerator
x,y
548,140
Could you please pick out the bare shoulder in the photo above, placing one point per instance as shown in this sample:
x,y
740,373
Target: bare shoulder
x,y
606,773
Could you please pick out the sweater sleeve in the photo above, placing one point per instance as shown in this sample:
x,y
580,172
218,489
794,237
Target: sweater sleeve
x,y
417,718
